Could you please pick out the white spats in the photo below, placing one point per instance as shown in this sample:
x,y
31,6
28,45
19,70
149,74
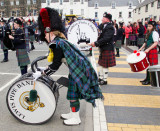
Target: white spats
x,y
74,120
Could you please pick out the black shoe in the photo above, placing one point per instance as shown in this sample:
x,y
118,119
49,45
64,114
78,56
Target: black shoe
x,y
146,83
117,55
4,61
143,80
102,82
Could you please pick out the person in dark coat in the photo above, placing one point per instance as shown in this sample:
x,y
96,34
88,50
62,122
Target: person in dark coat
x,y
118,38
2,35
19,44
106,47
141,31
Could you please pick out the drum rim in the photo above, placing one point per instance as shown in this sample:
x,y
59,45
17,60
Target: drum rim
x,y
20,119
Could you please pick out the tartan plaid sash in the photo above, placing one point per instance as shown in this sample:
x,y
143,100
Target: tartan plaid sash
x,y
81,71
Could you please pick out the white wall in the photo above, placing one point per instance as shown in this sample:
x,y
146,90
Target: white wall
x,y
152,11
89,12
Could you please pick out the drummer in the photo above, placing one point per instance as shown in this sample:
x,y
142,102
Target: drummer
x,y
83,80
19,44
150,48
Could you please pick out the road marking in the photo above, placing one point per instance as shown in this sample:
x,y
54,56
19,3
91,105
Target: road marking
x,y
130,100
11,81
1,73
124,81
40,50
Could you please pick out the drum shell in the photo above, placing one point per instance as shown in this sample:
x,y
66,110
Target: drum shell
x,y
139,66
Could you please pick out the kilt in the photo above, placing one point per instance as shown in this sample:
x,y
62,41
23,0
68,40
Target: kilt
x,y
152,56
73,93
3,47
22,57
32,38
118,44
132,37
107,59
140,41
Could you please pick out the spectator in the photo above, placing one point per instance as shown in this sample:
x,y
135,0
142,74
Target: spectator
x,y
128,31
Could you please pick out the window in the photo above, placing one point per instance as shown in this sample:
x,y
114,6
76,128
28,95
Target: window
x,y
2,3
71,11
61,2
146,8
120,14
96,14
48,2
28,2
130,5
139,10
71,2
152,4
12,2
130,14
96,5
82,1
82,11
135,10
34,12
13,13
113,5
34,1
18,13
158,4
17,2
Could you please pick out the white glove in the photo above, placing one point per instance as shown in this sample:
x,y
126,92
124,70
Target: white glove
x,y
36,75
42,68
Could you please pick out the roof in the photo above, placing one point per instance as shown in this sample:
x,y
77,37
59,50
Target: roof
x,y
104,3
144,3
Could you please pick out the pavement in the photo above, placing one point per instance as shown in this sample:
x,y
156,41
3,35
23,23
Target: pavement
x,y
128,106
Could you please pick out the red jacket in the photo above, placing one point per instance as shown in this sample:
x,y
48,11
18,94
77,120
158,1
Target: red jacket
x,y
128,30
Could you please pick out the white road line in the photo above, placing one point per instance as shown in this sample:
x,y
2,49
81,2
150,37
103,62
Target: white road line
x,y
1,73
40,50
11,81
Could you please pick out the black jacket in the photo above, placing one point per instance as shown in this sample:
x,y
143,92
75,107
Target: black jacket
x,y
2,32
19,42
119,35
105,40
141,31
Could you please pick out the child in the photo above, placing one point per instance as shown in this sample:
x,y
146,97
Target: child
x,y
150,46
83,80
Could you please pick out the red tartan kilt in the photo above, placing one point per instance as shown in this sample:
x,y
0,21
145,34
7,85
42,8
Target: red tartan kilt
x,y
152,56
107,59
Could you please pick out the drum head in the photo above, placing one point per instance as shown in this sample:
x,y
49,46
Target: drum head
x,y
82,32
37,112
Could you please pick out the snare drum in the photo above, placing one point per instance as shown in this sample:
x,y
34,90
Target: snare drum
x,y
39,111
138,61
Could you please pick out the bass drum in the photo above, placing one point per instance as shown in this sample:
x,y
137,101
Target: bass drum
x,y
39,111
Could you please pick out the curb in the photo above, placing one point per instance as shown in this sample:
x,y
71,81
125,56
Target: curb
x,y
99,117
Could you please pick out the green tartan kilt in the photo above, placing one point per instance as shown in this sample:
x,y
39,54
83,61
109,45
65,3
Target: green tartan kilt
x,y
22,57
140,41
118,44
3,47
32,38
73,92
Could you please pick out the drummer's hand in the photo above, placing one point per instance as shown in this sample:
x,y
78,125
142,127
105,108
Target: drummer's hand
x,y
36,75
92,44
11,37
146,51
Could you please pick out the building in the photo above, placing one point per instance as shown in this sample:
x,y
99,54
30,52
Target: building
x,y
148,9
17,8
121,10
